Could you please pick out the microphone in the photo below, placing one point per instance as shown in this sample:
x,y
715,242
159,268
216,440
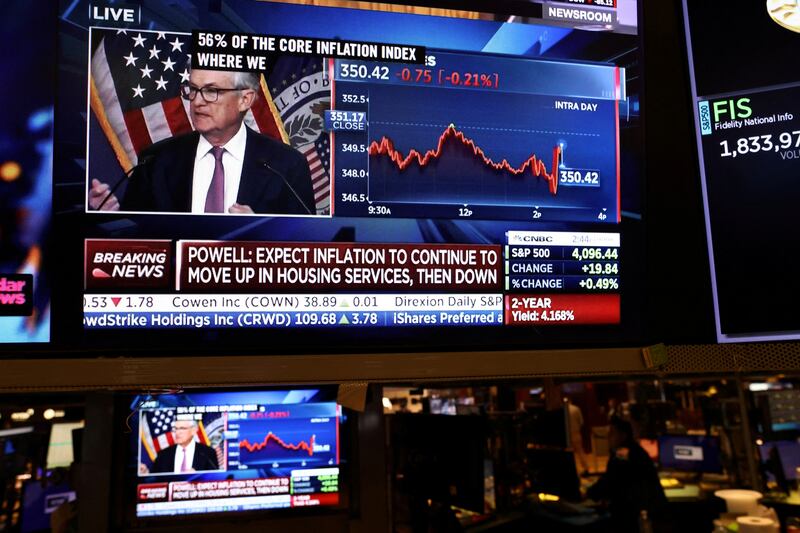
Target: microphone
x,y
266,165
142,162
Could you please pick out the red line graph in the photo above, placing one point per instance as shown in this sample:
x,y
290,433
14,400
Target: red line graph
x,y
536,166
302,445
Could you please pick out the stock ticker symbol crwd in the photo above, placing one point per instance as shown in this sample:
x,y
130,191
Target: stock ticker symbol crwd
x,y
785,13
122,264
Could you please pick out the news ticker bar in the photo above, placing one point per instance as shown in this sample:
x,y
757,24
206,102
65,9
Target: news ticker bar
x,y
555,261
207,496
252,503
302,319
106,311
576,273
291,302
244,503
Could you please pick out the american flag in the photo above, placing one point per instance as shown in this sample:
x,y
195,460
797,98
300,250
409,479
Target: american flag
x,y
135,91
318,157
156,431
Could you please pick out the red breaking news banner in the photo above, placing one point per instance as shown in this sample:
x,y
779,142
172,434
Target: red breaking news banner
x,y
120,264
153,492
239,265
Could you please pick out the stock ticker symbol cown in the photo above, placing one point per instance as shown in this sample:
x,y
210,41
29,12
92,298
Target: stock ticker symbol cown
x,y
256,446
536,166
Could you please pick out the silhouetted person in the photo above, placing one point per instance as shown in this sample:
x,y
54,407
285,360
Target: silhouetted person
x,y
630,483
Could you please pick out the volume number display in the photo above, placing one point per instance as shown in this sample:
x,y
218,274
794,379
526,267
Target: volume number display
x,y
760,143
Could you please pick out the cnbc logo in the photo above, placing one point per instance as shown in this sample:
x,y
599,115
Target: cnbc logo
x,y
786,13
712,113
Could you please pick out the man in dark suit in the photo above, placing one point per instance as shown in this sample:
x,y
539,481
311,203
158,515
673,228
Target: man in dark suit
x,y
187,455
221,167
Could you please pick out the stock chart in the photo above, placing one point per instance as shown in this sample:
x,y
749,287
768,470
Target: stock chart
x,y
468,136
289,436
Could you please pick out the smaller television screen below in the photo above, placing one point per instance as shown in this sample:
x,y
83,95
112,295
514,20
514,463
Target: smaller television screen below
x,y
59,450
789,454
235,451
690,453
784,409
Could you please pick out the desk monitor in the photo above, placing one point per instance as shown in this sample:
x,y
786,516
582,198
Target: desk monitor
x,y
690,453
60,449
784,409
789,454
247,451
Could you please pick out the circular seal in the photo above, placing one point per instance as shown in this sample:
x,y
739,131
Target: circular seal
x,y
786,13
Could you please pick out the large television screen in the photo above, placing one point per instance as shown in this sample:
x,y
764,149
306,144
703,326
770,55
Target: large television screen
x,y
366,176
745,88
199,453
27,53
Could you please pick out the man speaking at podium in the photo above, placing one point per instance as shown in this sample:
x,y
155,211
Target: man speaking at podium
x,y
187,455
221,167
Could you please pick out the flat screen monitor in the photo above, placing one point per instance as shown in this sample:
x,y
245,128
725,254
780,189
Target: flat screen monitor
x,y
789,454
690,453
385,178
28,52
784,409
442,406
60,448
746,88
778,409
227,452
